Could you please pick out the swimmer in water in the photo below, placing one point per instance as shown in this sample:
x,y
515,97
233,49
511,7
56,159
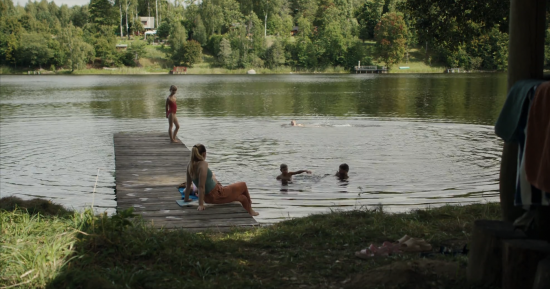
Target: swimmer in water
x,y
342,173
285,177
293,123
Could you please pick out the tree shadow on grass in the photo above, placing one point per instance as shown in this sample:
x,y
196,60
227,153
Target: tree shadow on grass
x,y
33,207
122,251
312,252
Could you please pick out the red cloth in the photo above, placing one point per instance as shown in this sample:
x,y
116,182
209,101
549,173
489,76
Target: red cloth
x,y
537,146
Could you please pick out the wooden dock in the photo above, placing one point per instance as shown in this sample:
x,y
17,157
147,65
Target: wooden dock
x,y
148,171
370,69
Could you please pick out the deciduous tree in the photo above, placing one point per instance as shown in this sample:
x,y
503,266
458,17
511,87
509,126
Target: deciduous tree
x,y
34,50
192,53
368,16
275,55
390,35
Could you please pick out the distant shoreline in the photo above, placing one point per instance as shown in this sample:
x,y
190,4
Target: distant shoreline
x,y
215,71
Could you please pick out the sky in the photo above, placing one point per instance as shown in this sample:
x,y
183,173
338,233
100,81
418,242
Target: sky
x,y
57,2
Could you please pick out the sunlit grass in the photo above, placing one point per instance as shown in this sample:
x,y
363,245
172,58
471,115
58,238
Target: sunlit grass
x,y
35,248
415,67
157,52
209,66
116,70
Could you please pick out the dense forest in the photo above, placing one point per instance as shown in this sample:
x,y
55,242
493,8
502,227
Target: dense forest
x,y
305,34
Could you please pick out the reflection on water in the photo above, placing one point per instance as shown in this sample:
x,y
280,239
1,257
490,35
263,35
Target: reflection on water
x,y
410,140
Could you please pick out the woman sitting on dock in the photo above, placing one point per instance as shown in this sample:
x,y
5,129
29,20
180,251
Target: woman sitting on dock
x,y
210,190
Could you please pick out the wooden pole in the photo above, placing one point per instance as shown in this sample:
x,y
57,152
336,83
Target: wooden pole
x,y
485,257
520,259
525,61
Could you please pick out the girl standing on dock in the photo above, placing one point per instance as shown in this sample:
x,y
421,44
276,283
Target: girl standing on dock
x,y
171,108
210,190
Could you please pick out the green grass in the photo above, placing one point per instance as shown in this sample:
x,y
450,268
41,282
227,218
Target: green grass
x,y
157,52
78,250
120,70
416,67
6,70
416,64
209,66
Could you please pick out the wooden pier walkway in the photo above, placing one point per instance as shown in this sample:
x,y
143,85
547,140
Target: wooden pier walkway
x,y
370,69
148,171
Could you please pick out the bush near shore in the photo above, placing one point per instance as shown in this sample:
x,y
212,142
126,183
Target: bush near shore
x,y
45,246
156,61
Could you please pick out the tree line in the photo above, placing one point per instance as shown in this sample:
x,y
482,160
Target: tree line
x,y
257,33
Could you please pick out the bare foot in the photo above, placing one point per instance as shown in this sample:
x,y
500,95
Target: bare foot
x,y
253,213
174,141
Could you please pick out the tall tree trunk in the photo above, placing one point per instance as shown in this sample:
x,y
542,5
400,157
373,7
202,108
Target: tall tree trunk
x,y
127,35
265,25
120,9
157,11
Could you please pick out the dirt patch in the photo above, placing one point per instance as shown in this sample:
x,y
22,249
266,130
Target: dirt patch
x,y
421,274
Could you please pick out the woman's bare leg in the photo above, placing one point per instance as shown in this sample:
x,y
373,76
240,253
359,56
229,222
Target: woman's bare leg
x,y
177,124
234,192
170,123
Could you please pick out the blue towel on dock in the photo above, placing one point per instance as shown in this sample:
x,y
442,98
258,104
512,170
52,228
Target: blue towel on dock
x,y
192,196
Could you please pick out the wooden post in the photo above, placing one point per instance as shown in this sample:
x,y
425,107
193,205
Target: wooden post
x,y
485,257
525,60
542,278
520,259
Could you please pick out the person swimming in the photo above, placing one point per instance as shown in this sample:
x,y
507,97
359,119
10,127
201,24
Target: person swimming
x,y
342,173
285,177
293,123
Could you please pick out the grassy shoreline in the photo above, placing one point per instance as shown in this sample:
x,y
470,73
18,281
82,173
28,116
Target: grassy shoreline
x,y
45,247
157,62
222,71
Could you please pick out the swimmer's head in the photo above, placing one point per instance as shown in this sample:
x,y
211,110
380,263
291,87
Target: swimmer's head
x,y
284,168
173,89
293,123
343,168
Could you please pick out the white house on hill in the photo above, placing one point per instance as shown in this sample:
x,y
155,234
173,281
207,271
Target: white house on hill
x,y
147,22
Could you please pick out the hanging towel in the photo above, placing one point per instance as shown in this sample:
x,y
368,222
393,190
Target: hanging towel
x,y
526,195
514,109
537,147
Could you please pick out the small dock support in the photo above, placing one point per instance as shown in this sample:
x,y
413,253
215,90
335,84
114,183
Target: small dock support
x,y
370,69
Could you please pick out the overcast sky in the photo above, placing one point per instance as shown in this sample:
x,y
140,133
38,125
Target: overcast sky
x,y
60,2
57,2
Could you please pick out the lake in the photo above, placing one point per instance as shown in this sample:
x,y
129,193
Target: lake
x,y
411,140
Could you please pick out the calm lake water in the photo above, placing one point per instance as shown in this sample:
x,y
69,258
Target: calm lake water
x,y
410,140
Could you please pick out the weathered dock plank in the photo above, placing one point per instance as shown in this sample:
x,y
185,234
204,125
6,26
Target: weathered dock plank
x,y
148,170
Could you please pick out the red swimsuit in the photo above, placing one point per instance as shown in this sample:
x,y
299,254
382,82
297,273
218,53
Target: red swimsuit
x,y
172,107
